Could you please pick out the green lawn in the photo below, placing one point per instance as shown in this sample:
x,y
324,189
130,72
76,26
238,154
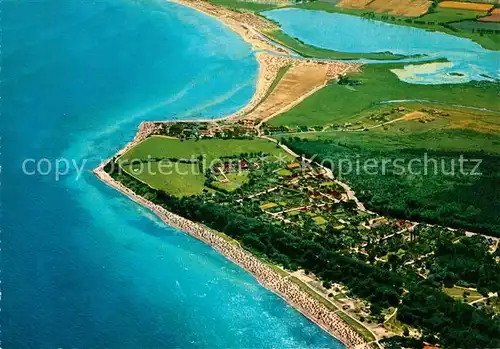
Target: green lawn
x,y
164,147
236,180
446,15
182,179
335,103
458,292
178,180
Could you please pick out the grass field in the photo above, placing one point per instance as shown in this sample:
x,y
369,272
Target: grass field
x,y
359,328
236,180
163,147
449,140
458,292
178,180
475,25
317,52
181,179
336,103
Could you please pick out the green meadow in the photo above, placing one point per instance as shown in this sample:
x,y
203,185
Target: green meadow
x,y
143,162
338,103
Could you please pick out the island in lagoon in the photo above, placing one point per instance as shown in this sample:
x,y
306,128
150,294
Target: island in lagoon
x,y
254,186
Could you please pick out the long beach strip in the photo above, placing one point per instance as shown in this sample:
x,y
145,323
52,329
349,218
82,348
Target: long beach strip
x,y
269,66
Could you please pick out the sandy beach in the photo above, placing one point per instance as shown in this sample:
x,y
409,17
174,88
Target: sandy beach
x,y
247,26
271,58
265,275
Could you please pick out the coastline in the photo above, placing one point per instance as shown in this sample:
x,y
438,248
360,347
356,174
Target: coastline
x,y
270,57
289,291
269,67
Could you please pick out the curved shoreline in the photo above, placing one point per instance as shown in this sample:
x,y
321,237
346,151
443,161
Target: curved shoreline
x,y
269,67
289,291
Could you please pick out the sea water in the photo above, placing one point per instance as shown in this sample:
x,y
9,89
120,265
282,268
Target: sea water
x,y
82,265
340,32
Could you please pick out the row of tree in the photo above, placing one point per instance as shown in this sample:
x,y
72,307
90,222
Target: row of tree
x,y
442,319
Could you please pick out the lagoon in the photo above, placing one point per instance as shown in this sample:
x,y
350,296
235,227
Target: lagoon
x,y
347,33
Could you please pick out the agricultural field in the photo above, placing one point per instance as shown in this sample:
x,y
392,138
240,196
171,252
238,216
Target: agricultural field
x,y
337,104
464,294
494,16
461,5
410,8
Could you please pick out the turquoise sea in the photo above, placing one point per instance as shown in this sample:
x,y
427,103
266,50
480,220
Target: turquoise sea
x,y
82,266
349,33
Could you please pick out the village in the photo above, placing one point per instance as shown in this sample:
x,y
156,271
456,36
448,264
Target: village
x,y
301,196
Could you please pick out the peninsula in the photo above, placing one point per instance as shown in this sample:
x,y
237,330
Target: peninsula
x,y
255,191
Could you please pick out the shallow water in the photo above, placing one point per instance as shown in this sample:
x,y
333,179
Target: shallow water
x,y
348,33
82,265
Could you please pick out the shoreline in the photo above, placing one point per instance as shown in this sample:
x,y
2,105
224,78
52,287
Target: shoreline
x,y
271,57
269,67
268,278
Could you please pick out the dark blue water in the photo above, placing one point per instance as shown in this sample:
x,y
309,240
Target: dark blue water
x,y
82,266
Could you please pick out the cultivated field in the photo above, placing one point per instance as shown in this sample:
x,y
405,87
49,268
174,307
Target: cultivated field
x,y
466,5
410,8
493,17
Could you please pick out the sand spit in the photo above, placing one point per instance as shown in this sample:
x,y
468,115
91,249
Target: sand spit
x,y
249,26
246,24
265,275
303,77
